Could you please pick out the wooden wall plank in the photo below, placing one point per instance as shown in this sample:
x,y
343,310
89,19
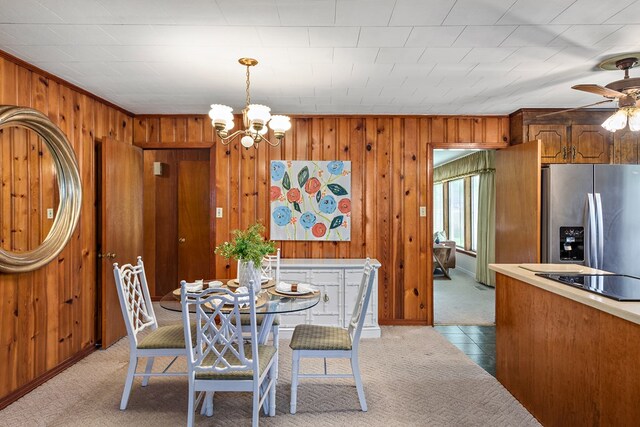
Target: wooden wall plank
x,y
48,316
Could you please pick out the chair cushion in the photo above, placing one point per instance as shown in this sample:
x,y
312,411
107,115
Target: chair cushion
x,y
265,354
171,336
314,337
244,319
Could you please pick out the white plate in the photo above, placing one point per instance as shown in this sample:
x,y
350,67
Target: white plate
x,y
303,289
262,280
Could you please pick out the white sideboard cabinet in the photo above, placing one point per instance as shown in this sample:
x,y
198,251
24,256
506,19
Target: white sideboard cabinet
x,y
338,280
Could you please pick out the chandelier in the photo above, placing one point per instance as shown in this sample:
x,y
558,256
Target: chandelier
x,y
255,118
618,120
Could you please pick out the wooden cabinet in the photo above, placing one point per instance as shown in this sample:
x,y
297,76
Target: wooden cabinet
x,y
626,147
338,280
573,143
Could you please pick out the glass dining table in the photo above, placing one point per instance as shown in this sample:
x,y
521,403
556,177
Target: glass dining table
x,y
275,304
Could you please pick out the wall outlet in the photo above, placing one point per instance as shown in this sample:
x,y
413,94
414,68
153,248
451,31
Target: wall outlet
x,y
423,211
50,213
218,212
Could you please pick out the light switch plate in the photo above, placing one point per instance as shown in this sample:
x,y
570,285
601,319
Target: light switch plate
x,y
218,212
50,213
423,211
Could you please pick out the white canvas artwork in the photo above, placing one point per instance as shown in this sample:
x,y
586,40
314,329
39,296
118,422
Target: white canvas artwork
x,y
310,200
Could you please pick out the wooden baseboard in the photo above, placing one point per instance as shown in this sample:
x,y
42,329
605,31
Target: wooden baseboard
x,y
404,322
18,393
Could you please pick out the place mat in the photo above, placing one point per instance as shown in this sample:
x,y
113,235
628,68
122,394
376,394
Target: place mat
x,y
262,299
273,291
232,284
176,292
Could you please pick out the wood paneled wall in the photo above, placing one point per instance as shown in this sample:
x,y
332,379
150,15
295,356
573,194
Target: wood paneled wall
x,y
391,179
47,317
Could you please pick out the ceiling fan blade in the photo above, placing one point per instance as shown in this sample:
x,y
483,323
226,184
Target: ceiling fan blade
x,y
575,108
599,90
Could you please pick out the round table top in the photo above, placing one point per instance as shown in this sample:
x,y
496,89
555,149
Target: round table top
x,y
276,304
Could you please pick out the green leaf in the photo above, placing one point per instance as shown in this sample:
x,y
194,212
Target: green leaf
x,y
286,182
337,222
296,206
303,176
336,189
318,196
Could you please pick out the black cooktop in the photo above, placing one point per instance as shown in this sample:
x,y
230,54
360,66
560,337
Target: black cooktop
x,y
615,286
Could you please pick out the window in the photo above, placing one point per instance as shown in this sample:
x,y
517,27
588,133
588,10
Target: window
x,y
475,188
438,208
456,212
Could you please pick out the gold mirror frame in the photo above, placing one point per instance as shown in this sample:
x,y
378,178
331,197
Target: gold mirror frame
x,y
69,186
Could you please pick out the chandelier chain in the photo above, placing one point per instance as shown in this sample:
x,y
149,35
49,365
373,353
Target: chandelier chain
x,y
248,84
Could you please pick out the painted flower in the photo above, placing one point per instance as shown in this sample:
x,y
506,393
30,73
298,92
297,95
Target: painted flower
x,y
312,185
281,215
345,224
277,171
294,195
307,219
327,204
319,229
344,205
275,192
294,220
335,167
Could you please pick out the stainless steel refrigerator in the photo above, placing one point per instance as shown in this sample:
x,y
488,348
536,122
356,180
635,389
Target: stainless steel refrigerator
x,y
591,216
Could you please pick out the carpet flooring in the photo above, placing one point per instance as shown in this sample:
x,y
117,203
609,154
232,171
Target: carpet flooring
x,y
462,301
412,377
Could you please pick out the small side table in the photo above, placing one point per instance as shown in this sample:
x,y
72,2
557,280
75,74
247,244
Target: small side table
x,y
440,256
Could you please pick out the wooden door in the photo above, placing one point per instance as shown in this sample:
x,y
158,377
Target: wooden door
x,y
518,197
120,187
626,147
554,144
193,220
590,144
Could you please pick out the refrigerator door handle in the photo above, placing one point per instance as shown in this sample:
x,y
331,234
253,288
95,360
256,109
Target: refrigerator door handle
x,y
592,260
600,231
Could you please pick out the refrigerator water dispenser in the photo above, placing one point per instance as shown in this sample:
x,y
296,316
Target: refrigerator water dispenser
x,y
571,243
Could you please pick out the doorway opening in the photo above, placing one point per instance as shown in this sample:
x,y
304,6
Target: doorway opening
x,y
464,237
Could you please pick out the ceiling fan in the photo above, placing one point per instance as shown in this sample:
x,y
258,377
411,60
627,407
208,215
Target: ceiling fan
x,y
626,92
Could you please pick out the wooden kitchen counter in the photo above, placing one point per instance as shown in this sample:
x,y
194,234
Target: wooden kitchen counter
x,y
569,356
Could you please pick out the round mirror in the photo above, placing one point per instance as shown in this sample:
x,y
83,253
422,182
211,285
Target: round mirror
x,y
41,193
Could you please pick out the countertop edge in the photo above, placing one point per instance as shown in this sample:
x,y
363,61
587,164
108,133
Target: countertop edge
x,y
625,310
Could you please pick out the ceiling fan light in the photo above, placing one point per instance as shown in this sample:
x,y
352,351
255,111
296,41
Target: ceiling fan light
x,y
634,120
617,121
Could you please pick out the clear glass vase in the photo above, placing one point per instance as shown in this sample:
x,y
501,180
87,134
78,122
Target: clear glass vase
x,y
247,272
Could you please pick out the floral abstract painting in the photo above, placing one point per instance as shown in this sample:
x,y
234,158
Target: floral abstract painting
x,y
310,200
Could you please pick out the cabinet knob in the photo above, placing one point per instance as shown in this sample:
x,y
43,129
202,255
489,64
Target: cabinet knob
x,y
564,153
573,152
182,240
326,298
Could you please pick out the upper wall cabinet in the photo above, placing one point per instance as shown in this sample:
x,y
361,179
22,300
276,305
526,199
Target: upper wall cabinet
x,y
574,137
626,147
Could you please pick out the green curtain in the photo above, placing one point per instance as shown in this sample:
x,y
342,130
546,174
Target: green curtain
x,y
468,165
486,251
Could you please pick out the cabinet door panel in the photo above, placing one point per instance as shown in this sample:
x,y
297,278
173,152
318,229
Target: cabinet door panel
x,y
626,146
554,142
590,144
329,310
351,285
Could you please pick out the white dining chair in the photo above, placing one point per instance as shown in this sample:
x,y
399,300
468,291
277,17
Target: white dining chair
x,y
330,342
271,269
219,357
137,310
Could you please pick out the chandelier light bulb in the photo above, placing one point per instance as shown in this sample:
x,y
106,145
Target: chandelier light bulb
x,y
616,122
247,141
220,111
280,123
257,113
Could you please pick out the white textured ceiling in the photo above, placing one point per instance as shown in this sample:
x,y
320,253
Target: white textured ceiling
x,y
326,56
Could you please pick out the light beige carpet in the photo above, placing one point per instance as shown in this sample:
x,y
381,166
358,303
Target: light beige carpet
x,y
412,377
462,301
